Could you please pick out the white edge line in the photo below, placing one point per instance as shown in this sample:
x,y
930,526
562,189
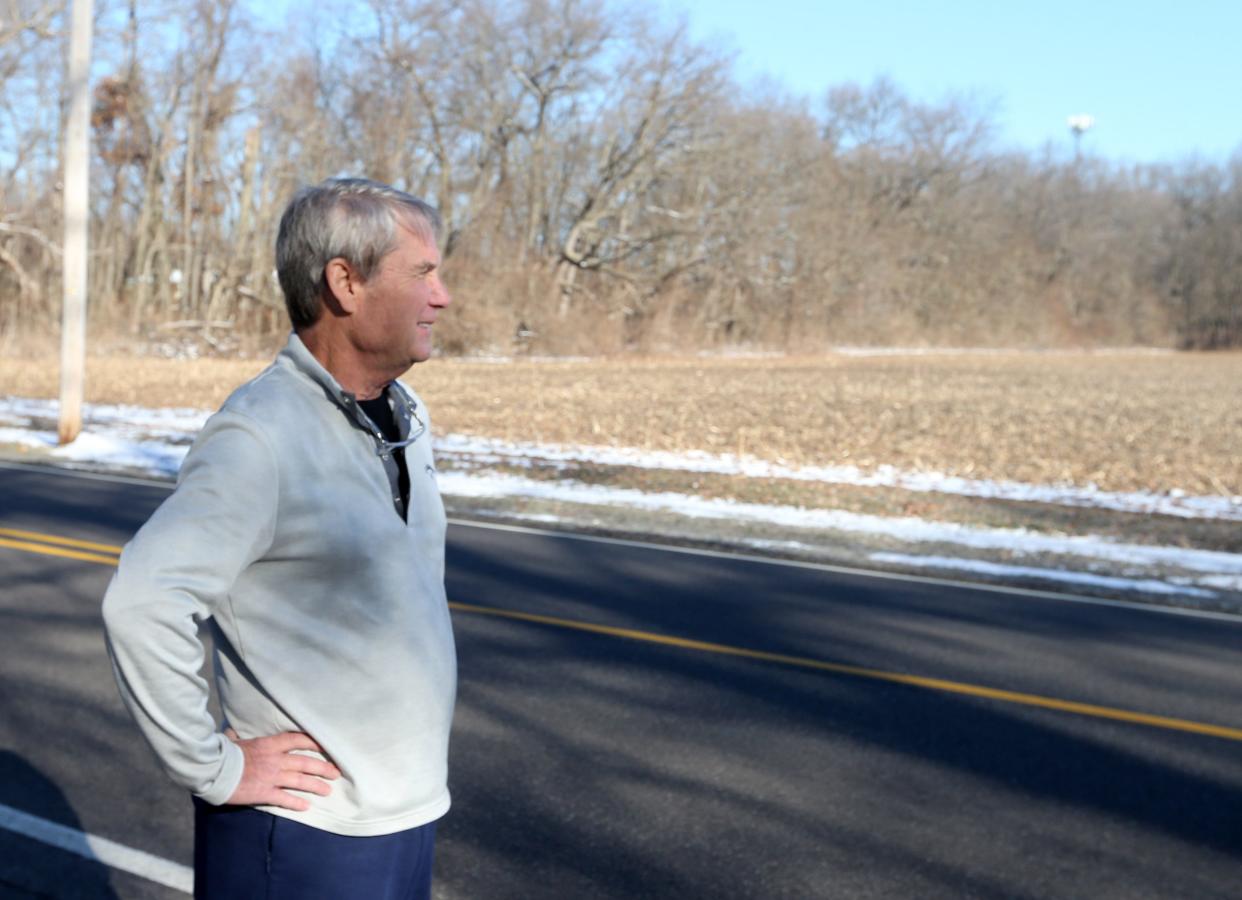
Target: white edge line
x,y
61,469
1233,618
92,847
864,573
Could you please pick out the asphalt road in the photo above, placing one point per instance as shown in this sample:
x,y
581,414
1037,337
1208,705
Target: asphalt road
x,y
619,763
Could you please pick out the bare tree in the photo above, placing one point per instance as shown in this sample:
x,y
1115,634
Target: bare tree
x,y
649,134
1202,272
604,180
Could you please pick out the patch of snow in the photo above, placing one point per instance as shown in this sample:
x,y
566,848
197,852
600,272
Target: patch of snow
x,y
983,567
767,544
24,437
1173,503
526,517
180,425
1222,582
148,456
156,440
179,422
906,529
154,456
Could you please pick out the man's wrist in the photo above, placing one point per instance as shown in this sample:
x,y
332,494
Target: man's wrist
x,y
222,787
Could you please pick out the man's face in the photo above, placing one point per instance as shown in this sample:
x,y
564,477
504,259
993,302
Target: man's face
x,y
401,302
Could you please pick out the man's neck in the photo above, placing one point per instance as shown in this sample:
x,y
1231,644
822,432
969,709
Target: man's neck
x,y
343,362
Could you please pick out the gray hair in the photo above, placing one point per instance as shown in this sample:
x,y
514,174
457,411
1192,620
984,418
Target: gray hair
x,y
355,219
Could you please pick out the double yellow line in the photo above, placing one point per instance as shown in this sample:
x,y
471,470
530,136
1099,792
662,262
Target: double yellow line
x,y
52,545
108,554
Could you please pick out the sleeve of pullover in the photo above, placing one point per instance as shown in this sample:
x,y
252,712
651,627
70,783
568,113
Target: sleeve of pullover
x,y
176,572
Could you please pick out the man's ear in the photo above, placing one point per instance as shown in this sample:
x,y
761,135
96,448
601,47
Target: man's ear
x,y
344,284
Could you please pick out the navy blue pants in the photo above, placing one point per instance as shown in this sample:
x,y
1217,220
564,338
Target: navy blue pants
x,y
242,853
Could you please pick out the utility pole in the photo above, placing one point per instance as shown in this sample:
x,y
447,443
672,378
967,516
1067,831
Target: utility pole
x,y
76,209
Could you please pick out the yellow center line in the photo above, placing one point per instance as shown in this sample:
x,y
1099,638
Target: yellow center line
x,y
57,539
805,662
935,684
59,551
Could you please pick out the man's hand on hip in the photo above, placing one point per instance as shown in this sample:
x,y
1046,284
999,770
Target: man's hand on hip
x,y
271,769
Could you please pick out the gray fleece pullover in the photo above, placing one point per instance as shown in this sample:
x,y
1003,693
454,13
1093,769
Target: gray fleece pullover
x,y
327,611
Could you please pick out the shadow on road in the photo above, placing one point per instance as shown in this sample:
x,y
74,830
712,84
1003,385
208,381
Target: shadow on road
x,y
590,766
29,867
756,779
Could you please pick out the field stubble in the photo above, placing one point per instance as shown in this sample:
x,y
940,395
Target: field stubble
x,y
1122,421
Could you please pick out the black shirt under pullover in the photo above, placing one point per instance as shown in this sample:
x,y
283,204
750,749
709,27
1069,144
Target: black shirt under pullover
x,y
380,413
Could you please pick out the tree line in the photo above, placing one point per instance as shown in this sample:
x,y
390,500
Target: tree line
x,y
605,183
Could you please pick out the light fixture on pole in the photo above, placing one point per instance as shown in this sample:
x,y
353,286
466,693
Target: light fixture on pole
x,y
1078,126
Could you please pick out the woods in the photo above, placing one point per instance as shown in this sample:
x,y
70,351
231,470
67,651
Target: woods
x,y
606,184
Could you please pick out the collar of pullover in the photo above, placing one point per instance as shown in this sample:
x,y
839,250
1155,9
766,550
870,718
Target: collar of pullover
x,y
300,358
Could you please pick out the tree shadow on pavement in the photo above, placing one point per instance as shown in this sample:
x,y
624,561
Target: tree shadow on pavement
x,y
30,867
592,766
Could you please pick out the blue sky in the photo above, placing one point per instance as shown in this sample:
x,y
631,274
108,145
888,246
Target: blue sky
x,y
1163,80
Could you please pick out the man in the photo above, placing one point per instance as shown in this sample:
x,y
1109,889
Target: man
x,y
307,532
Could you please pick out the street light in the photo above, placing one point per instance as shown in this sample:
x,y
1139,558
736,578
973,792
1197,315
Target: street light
x,y
1078,126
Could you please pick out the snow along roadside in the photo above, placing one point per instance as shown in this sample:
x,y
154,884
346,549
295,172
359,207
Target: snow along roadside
x,y
156,441
135,423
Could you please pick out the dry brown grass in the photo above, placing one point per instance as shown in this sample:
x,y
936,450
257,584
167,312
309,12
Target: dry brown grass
x,y
1125,421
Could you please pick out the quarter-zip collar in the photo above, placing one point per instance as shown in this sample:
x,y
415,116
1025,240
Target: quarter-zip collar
x,y
297,354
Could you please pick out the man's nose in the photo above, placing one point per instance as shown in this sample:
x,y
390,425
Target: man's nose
x,y
441,296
